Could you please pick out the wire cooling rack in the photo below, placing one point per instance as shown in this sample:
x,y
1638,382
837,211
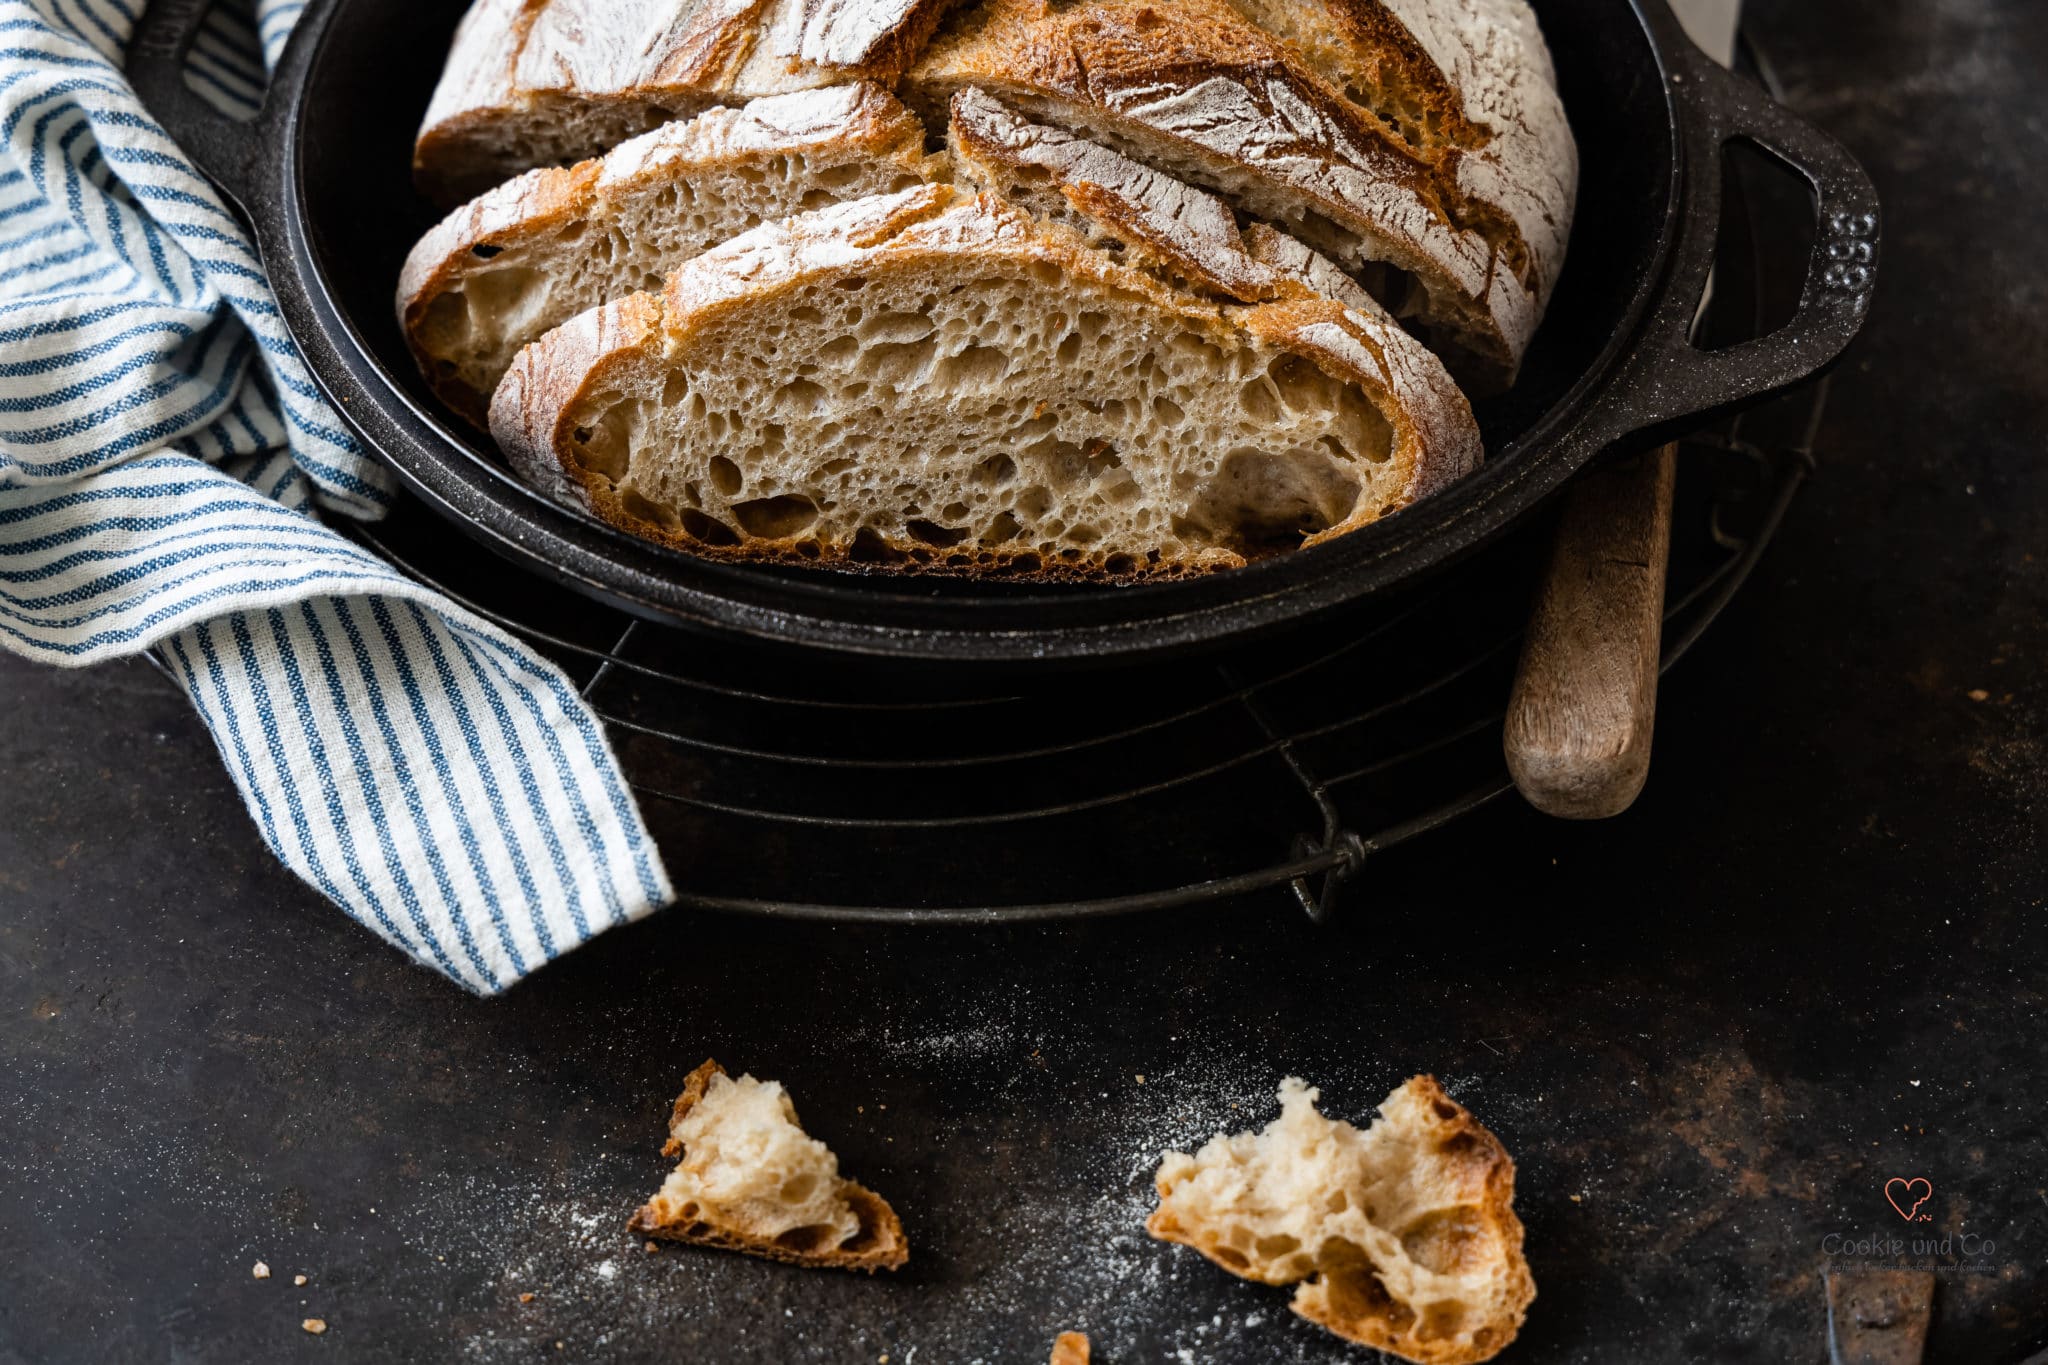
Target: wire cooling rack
x,y
908,798
860,791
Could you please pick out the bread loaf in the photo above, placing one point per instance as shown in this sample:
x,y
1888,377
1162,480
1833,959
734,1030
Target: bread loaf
x,y
532,253
893,381
1402,1237
752,1180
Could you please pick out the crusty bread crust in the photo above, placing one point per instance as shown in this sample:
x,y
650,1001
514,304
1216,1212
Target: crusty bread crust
x,y
622,346
1226,103
1461,1197
879,1244
540,82
845,125
1468,82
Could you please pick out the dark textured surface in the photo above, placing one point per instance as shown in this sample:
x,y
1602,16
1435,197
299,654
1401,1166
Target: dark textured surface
x,y
1809,961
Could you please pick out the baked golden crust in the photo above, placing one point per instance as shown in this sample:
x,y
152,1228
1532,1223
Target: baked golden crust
x,y
535,82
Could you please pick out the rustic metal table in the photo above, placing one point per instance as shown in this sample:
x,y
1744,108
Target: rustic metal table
x,y
1809,961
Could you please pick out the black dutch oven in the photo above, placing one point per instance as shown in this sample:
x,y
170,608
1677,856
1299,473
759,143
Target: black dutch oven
x,y
323,177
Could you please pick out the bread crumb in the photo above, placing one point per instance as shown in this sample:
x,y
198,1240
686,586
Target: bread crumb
x,y
1577,1200
652,1247
1139,1079
315,1325
1979,694
260,1271
298,1279
1070,1348
527,1297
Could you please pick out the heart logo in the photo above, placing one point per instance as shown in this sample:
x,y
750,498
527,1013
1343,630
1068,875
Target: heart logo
x,y
1907,1196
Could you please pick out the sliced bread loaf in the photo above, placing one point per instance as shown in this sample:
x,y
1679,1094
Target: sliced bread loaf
x,y
929,379
1195,89
1403,1237
547,82
532,253
752,1180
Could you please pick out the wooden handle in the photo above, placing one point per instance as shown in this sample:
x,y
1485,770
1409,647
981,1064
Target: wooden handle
x,y
1585,699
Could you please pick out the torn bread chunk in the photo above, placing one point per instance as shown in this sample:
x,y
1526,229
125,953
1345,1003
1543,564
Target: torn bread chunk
x,y
752,1180
532,253
1195,90
547,82
930,380
1402,1237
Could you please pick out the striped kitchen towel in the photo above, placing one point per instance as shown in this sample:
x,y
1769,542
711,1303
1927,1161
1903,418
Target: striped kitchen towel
x,y
164,456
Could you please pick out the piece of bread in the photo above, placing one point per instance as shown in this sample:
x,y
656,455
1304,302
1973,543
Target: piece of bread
x,y
1194,89
547,82
752,1180
1466,82
1402,1237
1070,1348
893,382
1187,236
532,253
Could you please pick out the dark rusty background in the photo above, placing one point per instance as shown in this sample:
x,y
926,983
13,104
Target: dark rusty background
x,y
1810,960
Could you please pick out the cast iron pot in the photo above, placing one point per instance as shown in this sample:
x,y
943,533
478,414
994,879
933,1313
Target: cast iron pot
x,y
323,177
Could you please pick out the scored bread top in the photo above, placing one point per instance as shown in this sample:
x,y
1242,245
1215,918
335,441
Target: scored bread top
x,y
557,397
1195,88
789,151
538,82
752,1180
1402,1237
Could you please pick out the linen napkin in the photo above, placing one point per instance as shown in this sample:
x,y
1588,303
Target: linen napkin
x,y
164,461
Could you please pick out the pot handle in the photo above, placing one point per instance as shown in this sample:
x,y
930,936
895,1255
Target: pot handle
x,y
1671,385
227,152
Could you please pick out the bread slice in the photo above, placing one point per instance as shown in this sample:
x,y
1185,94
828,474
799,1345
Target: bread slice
x,y
938,381
1194,89
531,254
1070,1348
1468,83
547,82
1403,1237
1186,235
752,1180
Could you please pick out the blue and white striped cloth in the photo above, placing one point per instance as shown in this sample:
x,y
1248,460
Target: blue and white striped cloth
x,y
163,453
